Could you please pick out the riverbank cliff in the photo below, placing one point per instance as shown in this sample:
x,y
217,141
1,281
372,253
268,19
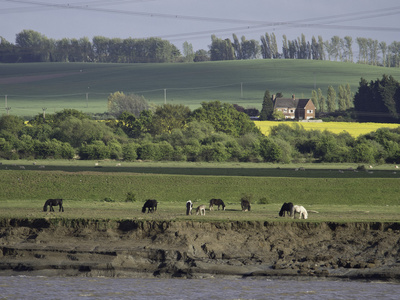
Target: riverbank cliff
x,y
134,248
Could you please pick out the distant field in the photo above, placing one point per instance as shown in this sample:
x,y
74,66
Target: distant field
x,y
354,129
54,86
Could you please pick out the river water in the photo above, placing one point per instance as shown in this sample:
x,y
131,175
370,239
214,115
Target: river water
x,y
30,287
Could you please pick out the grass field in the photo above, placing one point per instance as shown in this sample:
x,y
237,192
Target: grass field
x,y
353,128
336,196
55,86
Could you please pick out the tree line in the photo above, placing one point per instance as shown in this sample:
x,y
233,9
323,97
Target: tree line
x,y
215,132
31,46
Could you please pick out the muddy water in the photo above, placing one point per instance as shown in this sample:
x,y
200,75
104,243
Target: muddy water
x,y
27,287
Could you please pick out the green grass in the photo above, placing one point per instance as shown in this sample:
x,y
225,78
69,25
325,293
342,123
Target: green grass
x,y
174,211
188,84
338,197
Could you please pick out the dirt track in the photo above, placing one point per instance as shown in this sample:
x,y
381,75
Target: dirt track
x,y
194,249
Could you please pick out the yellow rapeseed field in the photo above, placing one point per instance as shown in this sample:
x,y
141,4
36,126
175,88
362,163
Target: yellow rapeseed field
x,y
354,129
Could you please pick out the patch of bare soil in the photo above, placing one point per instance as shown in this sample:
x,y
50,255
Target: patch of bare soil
x,y
194,249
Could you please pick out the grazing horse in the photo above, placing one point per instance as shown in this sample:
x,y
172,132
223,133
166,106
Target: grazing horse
x,y
189,207
245,205
201,209
286,207
151,205
301,211
217,202
53,202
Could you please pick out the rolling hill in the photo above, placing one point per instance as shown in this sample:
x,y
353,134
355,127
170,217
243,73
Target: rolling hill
x,y
30,88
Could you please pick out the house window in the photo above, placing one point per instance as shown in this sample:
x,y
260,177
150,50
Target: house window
x,y
310,111
291,111
285,110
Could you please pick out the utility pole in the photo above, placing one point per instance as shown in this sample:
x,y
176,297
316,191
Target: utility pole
x,y
165,96
6,100
8,109
87,99
44,113
241,90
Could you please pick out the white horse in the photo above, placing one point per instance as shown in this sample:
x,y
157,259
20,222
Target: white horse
x,y
189,207
201,210
301,211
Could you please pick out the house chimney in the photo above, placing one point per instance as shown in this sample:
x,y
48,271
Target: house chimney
x,y
273,97
293,97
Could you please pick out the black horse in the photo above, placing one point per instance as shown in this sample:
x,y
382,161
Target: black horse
x,y
53,202
217,202
286,208
151,205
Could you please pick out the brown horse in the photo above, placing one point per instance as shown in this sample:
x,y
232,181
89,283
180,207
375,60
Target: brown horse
x,y
245,205
217,202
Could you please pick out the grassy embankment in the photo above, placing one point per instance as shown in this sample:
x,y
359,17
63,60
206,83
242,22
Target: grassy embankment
x,y
55,86
336,196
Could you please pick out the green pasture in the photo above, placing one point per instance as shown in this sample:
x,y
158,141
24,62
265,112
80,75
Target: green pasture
x,y
175,211
65,85
99,191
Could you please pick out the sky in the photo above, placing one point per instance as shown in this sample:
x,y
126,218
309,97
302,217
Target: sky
x,y
195,21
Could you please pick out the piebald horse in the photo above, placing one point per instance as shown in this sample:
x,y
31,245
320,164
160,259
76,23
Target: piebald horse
x,y
189,207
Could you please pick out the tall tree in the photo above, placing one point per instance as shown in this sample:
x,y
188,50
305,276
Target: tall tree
x,y
250,48
383,48
267,107
349,96
118,102
221,49
331,99
188,52
225,118
378,101
168,117
321,100
266,46
274,46
238,47
321,48
314,99
33,46
342,103
285,47
348,42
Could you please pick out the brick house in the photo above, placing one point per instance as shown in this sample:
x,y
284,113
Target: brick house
x,y
292,108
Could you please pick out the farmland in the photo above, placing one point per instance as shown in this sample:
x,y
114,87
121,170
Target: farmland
x,y
353,128
54,86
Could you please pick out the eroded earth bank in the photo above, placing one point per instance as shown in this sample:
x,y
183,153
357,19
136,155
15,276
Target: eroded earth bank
x,y
129,248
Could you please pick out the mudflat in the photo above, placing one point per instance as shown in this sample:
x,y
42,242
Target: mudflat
x,y
195,249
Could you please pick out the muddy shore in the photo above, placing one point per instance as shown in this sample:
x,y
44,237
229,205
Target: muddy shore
x,y
130,248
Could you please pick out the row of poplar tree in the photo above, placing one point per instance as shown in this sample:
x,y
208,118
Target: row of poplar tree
x,y
32,46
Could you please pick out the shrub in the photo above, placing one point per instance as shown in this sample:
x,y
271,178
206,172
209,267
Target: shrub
x,y
129,152
130,197
97,150
263,200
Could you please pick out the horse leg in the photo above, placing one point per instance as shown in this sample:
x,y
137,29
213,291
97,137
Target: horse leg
x,y
51,208
61,208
